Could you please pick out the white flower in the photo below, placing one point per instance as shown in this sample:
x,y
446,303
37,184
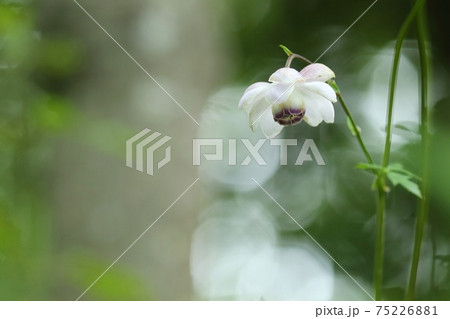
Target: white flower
x,y
290,97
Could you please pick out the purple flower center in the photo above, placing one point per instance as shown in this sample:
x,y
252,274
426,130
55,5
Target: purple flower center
x,y
289,116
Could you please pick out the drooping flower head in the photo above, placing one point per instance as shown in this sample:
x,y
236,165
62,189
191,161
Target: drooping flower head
x,y
290,97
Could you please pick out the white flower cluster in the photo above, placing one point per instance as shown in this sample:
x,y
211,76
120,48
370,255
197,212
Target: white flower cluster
x,y
290,97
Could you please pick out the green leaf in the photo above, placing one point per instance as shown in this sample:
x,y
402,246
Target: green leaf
x,y
286,50
404,180
352,128
397,178
369,167
397,167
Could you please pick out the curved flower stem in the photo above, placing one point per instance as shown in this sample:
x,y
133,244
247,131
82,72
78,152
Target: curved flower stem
x,y
355,129
387,149
291,57
423,210
294,56
380,205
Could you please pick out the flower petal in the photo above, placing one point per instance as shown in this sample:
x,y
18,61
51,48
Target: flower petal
x,y
317,72
269,127
317,108
278,93
322,89
327,111
295,99
250,94
259,107
313,116
284,75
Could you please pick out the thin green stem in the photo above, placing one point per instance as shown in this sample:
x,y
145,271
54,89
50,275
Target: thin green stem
x,y
355,129
379,249
423,209
393,81
379,252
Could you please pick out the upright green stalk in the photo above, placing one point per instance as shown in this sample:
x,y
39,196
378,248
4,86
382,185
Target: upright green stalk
x,y
398,46
379,256
379,252
423,209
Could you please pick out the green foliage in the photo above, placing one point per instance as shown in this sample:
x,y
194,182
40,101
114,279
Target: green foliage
x,y
396,174
286,50
117,284
58,57
53,113
9,237
370,167
39,63
404,181
16,35
31,117
398,168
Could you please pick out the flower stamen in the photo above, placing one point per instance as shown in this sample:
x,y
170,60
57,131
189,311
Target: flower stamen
x,y
289,116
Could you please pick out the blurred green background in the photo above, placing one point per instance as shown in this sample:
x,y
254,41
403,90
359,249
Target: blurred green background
x,y
70,98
